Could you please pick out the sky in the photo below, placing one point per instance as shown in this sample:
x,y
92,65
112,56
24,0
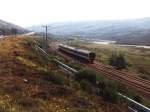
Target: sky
x,y
33,12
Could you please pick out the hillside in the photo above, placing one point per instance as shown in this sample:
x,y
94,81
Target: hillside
x,y
7,28
136,31
29,82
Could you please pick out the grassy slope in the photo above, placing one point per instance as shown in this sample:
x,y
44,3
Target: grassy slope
x,y
138,59
24,87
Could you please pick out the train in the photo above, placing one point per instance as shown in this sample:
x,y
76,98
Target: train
x,y
83,55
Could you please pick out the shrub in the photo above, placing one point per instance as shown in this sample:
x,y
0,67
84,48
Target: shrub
x,y
57,79
109,94
75,85
118,60
138,99
108,91
53,77
99,77
122,88
86,86
76,66
112,59
121,62
86,74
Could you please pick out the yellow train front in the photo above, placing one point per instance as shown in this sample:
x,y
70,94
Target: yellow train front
x,y
80,54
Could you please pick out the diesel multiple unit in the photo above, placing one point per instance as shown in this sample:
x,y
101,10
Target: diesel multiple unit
x,y
81,54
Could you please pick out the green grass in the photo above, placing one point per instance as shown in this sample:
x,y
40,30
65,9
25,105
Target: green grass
x,y
138,59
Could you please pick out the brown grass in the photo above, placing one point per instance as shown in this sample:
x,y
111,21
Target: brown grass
x,y
23,88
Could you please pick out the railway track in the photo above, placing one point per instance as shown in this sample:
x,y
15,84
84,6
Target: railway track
x,y
123,74
136,83
141,85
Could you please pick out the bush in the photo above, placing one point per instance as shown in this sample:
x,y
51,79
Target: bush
x,y
109,94
138,99
112,59
87,75
86,86
108,91
122,88
118,60
75,85
76,66
53,77
57,79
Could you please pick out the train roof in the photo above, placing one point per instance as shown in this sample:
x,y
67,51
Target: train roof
x,y
73,48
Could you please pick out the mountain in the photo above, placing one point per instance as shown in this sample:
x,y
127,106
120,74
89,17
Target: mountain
x,y
134,31
7,28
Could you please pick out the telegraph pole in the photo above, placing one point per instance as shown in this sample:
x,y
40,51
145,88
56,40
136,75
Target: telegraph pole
x,y
45,42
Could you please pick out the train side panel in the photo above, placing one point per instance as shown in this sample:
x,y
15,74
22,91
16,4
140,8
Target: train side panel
x,y
85,55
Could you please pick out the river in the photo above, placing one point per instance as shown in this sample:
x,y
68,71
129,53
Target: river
x,y
108,42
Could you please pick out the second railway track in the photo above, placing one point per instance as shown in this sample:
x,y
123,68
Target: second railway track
x,y
141,85
123,74
136,84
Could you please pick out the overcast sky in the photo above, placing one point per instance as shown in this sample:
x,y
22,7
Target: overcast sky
x,y
30,12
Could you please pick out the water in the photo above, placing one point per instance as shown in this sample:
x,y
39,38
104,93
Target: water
x,y
104,42
108,42
137,46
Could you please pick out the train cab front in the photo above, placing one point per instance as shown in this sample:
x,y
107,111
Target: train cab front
x,y
92,57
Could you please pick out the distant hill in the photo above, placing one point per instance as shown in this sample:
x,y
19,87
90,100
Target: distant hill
x,y
7,28
135,31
